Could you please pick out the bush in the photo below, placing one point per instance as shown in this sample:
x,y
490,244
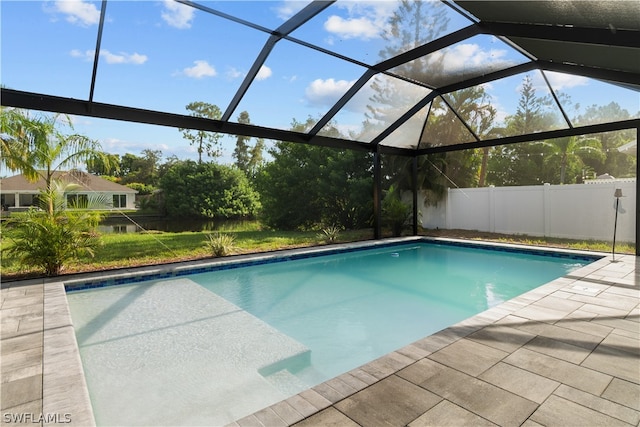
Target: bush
x,y
395,213
307,185
208,190
220,244
49,239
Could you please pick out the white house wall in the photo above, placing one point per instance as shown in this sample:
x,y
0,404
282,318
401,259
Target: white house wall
x,y
578,211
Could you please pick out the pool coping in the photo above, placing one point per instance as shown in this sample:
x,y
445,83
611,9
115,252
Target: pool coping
x,y
64,388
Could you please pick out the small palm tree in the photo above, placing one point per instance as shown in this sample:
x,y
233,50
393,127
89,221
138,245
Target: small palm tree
x,y
51,239
573,148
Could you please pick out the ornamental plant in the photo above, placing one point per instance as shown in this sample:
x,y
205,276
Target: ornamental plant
x,y
51,236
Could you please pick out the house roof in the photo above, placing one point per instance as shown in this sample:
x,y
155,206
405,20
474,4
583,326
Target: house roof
x,y
549,40
86,181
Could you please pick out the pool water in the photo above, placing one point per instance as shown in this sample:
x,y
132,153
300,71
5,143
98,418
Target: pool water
x,y
213,347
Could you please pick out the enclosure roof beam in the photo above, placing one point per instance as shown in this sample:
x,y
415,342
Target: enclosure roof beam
x,y
539,136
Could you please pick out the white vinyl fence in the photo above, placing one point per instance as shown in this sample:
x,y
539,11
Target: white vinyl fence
x,y
575,211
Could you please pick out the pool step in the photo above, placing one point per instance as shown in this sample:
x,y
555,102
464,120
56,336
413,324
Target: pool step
x,y
286,382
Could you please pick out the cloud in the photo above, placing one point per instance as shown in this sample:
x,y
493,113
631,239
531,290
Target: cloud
x,y
78,12
177,14
560,81
326,92
264,73
472,56
363,20
361,28
233,73
199,70
288,8
111,58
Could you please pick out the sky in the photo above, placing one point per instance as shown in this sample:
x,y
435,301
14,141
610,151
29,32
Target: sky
x,y
162,55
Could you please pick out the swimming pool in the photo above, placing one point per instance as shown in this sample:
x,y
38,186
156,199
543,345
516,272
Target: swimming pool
x,y
212,347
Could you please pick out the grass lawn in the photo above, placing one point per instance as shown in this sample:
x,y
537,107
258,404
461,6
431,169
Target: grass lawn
x,y
136,249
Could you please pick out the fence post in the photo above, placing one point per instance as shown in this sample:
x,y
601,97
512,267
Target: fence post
x,y
492,209
546,209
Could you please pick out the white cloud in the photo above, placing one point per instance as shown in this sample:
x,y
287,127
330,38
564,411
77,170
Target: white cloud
x,y
560,81
177,14
326,92
363,20
361,28
199,70
264,73
111,58
288,8
233,73
78,12
122,147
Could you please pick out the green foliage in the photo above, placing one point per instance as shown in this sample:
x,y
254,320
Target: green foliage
x,y
308,185
330,234
37,147
49,240
220,244
208,190
142,189
395,213
205,142
140,169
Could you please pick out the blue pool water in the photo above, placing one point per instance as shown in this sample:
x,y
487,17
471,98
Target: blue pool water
x,y
222,344
351,309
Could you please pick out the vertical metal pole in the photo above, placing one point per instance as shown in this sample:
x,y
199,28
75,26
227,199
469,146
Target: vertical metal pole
x,y
637,198
414,183
377,196
615,226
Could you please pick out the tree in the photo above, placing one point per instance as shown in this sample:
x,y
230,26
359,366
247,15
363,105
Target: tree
x,y
205,142
98,166
38,148
523,163
208,190
141,169
615,163
307,186
571,150
248,159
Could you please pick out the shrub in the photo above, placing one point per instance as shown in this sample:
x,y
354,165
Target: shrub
x,y
220,244
50,239
330,234
208,190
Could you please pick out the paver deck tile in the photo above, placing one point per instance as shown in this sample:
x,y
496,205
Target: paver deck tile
x,y
523,383
623,392
558,370
21,391
446,414
558,349
484,399
557,411
557,332
390,402
329,417
468,356
613,362
501,337
599,404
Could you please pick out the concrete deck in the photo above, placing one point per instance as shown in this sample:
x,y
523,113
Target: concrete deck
x,y
566,353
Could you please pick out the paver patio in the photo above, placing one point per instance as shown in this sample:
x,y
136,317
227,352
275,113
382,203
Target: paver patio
x,y
566,353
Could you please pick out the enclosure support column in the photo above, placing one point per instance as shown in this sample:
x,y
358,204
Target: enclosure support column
x,y
637,199
377,196
414,183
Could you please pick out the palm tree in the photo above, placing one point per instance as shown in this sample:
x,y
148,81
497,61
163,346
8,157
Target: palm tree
x,y
572,148
35,147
